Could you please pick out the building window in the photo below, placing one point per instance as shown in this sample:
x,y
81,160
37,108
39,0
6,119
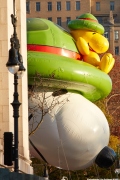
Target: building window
x,y
49,6
117,50
97,6
28,6
106,34
59,21
100,19
68,19
68,5
77,5
112,5
116,35
58,6
50,18
37,6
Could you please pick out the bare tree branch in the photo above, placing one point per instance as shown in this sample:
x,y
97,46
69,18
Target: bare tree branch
x,y
38,106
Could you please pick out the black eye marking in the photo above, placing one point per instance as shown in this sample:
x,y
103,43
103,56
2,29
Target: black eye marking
x,y
59,92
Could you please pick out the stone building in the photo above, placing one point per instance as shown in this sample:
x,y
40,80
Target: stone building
x,y
108,13
7,80
60,12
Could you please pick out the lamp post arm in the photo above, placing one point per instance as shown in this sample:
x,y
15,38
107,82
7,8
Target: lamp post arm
x,y
14,39
14,7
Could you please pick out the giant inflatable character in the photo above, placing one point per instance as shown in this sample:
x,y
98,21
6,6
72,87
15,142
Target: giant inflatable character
x,y
74,133
89,39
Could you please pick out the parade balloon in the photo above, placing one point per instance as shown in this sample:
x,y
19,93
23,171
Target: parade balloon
x,y
67,74
72,133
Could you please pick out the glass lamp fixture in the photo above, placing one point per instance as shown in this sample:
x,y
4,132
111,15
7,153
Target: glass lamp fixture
x,y
21,70
13,69
13,62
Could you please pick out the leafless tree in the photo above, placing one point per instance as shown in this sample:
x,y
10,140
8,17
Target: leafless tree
x,y
38,97
113,100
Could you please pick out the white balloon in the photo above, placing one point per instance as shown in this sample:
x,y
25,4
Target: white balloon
x,y
72,133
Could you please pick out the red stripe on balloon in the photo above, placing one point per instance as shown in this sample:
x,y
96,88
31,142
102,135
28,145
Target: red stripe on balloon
x,y
88,19
54,50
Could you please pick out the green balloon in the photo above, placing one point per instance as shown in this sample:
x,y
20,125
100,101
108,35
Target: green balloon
x,y
60,72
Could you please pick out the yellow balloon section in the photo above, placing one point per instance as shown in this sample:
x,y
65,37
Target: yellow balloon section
x,y
91,45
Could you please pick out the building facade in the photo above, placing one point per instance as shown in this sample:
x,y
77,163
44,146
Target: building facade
x,y
108,14
61,12
7,87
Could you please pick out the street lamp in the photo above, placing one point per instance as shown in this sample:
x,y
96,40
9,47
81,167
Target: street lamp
x,y
15,66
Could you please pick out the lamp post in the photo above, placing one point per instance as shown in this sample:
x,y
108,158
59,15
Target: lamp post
x,y
15,66
45,174
117,170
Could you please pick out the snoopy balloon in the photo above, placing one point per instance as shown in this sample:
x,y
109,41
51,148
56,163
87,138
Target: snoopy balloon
x,y
74,132
91,43
73,135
